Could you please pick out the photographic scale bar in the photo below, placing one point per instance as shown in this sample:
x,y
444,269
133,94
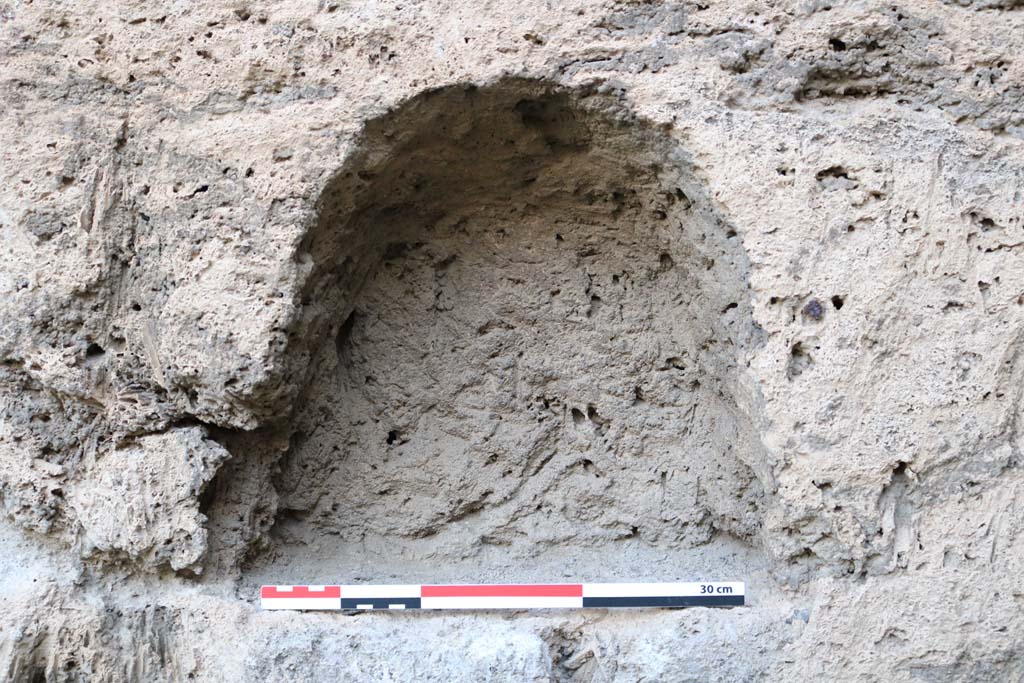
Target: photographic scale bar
x,y
503,596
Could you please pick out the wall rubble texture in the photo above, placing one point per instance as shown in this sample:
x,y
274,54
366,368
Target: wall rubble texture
x,y
317,292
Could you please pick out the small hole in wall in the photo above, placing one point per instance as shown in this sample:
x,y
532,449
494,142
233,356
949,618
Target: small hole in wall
x,y
116,342
94,351
392,437
837,302
799,360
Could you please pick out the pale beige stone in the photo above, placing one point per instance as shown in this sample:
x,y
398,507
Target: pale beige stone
x,y
314,292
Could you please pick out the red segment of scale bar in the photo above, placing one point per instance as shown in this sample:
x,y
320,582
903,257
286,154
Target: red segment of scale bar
x,y
300,592
549,590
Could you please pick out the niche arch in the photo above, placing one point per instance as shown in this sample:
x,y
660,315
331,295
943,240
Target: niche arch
x,y
530,324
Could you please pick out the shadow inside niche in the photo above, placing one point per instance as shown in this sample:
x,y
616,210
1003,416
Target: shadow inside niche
x,y
531,320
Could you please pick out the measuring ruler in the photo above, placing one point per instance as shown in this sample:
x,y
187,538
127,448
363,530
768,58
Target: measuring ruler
x,y
503,596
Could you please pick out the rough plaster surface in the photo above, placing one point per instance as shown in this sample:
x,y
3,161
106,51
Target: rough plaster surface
x,y
318,292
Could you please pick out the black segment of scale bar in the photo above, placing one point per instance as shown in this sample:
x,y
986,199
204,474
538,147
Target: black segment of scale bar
x,y
667,601
380,603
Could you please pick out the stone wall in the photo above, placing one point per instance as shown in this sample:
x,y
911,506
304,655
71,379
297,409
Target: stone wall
x,y
328,292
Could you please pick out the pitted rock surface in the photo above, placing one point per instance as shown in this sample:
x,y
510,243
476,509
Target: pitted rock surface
x,y
328,292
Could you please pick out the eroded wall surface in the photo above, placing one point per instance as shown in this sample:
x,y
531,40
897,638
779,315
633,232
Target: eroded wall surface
x,y
330,292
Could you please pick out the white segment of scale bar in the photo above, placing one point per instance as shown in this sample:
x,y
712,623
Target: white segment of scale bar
x,y
300,603
657,590
381,591
500,602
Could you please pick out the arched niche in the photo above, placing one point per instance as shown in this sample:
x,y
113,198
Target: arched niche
x,y
531,324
